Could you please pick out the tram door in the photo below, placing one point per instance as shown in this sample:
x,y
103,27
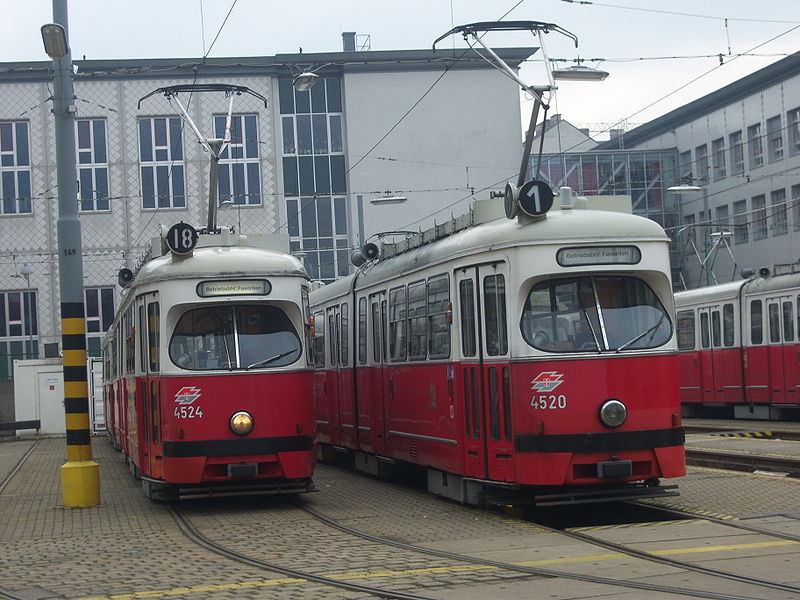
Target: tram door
x,y
148,343
783,360
706,355
485,371
377,384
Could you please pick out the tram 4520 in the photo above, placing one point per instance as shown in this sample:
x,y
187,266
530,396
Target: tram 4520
x,y
206,371
529,359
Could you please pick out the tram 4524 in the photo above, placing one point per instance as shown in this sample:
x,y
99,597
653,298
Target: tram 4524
x,y
529,359
206,371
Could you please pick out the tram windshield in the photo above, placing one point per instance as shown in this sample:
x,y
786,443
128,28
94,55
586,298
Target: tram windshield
x,y
594,314
239,336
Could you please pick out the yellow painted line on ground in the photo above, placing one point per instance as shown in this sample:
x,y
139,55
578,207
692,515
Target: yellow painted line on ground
x,y
426,571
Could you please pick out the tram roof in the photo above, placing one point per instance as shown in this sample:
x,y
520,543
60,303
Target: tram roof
x,y
559,227
220,261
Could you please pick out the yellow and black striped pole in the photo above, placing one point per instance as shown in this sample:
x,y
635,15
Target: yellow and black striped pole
x,y
80,475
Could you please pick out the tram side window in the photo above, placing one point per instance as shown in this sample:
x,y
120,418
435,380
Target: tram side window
x,y
376,329
728,325
774,323
466,303
756,323
344,356
142,340
362,330
397,324
319,340
130,343
705,337
716,331
494,305
788,322
439,317
686,330
417,322
332,332
154,336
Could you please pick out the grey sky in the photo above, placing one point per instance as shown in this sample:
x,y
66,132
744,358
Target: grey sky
x,y
186,28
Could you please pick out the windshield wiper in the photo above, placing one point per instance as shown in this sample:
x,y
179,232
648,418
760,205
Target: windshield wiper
x,y
266,361
641,335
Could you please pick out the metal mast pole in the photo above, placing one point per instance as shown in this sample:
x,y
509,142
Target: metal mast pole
x,y
80,476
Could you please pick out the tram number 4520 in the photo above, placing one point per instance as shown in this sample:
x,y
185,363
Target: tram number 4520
x,y
188,412
549,401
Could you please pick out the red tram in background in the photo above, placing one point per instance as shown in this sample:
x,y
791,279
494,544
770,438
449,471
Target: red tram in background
x,y
739,345
525,360
206,371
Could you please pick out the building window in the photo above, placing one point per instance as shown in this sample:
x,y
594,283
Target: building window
x,y
318,233
239,166
774,139
19,329
737,153
755,149
15,168
793,127
780,221
796,206
99,306
92,164
759,217
718,152
722,216
740,222
314,177
701,162
162,162
685,167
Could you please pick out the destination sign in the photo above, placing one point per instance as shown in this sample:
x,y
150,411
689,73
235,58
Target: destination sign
x,y
234,287
598,255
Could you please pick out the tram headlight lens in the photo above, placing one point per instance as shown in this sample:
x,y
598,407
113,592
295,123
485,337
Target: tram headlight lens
x,y
242,423
613,413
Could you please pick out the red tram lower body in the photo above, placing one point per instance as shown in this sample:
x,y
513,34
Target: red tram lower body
x,y
755,382
521,431
179,438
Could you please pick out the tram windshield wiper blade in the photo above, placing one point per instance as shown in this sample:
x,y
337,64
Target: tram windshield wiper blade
x,y
641,335
266,361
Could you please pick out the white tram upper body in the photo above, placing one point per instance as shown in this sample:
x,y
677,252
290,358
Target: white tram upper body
x,y
529,355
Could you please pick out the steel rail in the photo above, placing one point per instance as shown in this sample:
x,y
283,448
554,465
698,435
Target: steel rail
x,y
671,562
734,461
18,466
193,534
521,568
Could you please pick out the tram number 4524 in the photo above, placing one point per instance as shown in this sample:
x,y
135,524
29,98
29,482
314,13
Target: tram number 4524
x,y
549,401
188,412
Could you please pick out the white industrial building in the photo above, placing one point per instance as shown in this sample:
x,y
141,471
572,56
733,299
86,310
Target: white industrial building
x,y
436,128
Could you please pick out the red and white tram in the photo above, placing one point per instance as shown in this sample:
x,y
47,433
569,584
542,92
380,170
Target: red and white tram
x,y
739,345
526,360
206,369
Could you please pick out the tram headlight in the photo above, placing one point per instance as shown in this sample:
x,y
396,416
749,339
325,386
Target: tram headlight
x,y
613,413
242,422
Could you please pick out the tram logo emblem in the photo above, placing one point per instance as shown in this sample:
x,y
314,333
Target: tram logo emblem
x,y
187,394
547,381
